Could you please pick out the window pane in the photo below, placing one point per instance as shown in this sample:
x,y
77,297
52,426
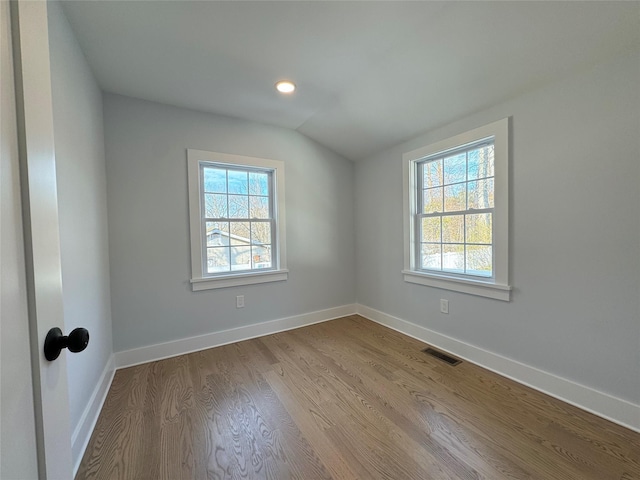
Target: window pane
x,y
215,180
240,258
215,205
432,174
217,234
431,256
238,206
258,183
259,207
481,193
453,258
240,233
261,232
432,200
453,229
238,181
479,260
217,259
473,163
479,228
261,256
487,163
455,168
481,163
455,198
431,229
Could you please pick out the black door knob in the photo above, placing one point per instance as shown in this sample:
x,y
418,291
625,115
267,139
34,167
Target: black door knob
x,y
55,341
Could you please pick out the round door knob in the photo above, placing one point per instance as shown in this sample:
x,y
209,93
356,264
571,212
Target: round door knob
x,y
76,341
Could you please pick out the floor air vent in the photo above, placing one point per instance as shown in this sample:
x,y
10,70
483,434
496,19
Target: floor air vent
x,y
442,356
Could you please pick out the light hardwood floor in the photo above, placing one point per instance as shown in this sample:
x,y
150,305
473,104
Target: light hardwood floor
x,y
345,399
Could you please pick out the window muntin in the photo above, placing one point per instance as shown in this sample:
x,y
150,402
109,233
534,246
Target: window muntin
x,y
454,228
238,218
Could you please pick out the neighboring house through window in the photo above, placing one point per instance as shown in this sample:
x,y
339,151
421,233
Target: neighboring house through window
x,y
456,213
236,208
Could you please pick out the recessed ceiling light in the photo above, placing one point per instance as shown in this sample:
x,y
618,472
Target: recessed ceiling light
x,y
285,86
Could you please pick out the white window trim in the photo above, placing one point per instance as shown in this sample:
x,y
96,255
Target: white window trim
x,y
498,287
200,281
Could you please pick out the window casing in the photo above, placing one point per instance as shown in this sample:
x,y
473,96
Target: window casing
x,y
236,208
456,213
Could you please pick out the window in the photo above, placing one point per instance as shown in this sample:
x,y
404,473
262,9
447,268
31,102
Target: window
x,y
456,213
236,209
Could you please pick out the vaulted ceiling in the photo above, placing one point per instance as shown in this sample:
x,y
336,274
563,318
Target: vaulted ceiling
x,y
369,74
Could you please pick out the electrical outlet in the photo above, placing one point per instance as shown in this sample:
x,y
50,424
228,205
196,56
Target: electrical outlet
x,y
444,305
240,301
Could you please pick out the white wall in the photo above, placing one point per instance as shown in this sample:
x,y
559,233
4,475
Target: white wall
x,y
152,301
17,422
575,234
82,203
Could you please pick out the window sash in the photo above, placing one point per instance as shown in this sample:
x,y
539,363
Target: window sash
x,y
420,207
271,219
466,272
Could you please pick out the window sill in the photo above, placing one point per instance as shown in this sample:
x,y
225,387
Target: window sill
x,y
239,279
462,285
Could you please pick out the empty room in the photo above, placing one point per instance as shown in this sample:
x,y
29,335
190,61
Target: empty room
x,y
320,240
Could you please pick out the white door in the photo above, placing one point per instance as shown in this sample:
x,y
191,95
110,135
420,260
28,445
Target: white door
x,y
41,235
17,425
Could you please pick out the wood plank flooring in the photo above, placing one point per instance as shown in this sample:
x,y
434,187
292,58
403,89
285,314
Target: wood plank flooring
x,y
346,399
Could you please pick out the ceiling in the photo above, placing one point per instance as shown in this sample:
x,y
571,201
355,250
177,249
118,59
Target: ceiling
x,y
369,74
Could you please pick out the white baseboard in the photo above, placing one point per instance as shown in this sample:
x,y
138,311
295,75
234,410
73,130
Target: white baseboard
x,y
84,429
174,348
602,404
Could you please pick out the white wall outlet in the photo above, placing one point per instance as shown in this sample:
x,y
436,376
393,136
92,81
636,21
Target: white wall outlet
x,y
240,301
444,305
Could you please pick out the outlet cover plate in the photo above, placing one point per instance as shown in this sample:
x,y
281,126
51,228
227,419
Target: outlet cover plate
x,y
444,305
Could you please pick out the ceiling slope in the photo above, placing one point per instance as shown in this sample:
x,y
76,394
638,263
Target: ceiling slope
x,y
369,74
